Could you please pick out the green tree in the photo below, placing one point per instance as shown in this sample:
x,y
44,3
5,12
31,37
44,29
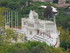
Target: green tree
x,y
14,5
64,38
48,12
2,17
3,3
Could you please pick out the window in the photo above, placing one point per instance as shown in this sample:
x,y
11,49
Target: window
x,y
37,31
41,26
55,1
24,23
30,25
30,32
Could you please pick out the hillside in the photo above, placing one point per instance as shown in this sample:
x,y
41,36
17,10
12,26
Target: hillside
x,y
23,7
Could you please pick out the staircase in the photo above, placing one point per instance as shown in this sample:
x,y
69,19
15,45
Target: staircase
x,y
41,38
45,38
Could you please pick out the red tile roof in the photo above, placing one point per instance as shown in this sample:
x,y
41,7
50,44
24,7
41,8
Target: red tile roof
x,y
62,5
61,0
42,0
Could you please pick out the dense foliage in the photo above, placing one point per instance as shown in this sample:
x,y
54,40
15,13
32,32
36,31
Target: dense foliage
x,y
6,46
64,38
24,6
28,47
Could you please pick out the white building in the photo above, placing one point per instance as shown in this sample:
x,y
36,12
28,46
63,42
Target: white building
x,y
40,30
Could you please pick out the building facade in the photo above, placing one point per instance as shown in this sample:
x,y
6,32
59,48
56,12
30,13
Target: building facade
x,y
40,30
62,1
43,0
52,1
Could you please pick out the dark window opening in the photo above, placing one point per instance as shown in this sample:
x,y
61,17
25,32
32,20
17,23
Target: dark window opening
x,y
55,1
30,32
37,31
24,23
